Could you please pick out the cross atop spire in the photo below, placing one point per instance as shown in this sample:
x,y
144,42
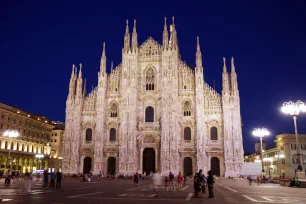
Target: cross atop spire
x,y
103,52
134,28
103,60
198,57
127,26
198,43
126,47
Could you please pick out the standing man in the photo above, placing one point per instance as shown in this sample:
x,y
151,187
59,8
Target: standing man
x,y
52,179
171,181
210,182
45,178
58,180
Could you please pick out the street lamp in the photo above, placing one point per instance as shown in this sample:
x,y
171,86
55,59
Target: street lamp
x,y
39,156
294,109
261,132
10,134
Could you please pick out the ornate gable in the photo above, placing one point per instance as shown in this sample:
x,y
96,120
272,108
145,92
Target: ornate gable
x,y
212,101
150,49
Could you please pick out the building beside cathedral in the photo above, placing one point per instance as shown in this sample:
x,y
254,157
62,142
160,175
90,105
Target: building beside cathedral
x,y
153,112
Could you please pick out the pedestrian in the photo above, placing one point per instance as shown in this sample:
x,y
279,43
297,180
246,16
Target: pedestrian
x,y
210,182
250,180
58,180
52,179
157,180
7,180
171,181
166,182
45,178
197,183
180,181
203,184
136,178
258,180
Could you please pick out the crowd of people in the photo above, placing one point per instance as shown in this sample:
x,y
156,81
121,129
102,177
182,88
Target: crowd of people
x,y
49,179
200,182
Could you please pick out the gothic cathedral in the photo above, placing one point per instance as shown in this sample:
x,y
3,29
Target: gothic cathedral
x,y
153,113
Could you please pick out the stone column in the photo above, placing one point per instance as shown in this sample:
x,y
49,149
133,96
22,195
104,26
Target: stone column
x,y
141,159
156,160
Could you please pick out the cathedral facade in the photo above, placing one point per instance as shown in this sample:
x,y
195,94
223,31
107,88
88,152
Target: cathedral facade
x,y
153,113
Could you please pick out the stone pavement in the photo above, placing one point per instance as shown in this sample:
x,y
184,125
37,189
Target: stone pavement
x,y
227,191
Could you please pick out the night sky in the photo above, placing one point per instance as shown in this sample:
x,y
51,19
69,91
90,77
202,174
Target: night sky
x,y
40,41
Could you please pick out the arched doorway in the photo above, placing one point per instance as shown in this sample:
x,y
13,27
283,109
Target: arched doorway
x,y
148,160
215,166
111,165
87,165
187,166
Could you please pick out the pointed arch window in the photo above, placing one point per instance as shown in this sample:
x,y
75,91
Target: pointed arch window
x,y
213,133
187,133
114,110
88,135
112,134
149,117
150,79
187,109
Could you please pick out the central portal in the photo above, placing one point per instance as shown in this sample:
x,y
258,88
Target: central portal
x,y
148,160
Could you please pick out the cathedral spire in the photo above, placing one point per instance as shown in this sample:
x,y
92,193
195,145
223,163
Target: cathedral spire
x,y
173,35
225,79
72,83
103,60
234,82
198,57
127,37
112,66
79,83
134,38
84,89
165,35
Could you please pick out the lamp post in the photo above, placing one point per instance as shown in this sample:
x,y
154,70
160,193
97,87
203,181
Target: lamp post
x,y
39,156
294,109
10,134
261,132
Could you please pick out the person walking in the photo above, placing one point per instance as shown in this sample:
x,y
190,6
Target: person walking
x,y
157,180
180,181
203,184
250,180
59,176
52,179
171,181
45,178
258,180
210,182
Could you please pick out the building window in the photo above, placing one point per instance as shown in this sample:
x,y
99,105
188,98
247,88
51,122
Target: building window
x,y
1,126
303,146
187,109
187,133
283,161
114,110
293,146
55,140
112,134
88,135
149,117
150,79
213,133
17,147
55,134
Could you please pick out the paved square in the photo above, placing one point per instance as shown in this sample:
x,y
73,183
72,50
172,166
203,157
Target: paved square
x,y
231,191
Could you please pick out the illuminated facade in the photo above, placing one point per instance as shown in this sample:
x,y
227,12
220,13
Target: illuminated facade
x,y
34,136
153,112
281,160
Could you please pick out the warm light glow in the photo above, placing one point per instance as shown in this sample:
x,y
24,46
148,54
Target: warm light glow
x,y
267,159
60,157
39,155
257,157
46,121
257,160
279,156
29,115
246,157
11,133
18,111
293,108
260,132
